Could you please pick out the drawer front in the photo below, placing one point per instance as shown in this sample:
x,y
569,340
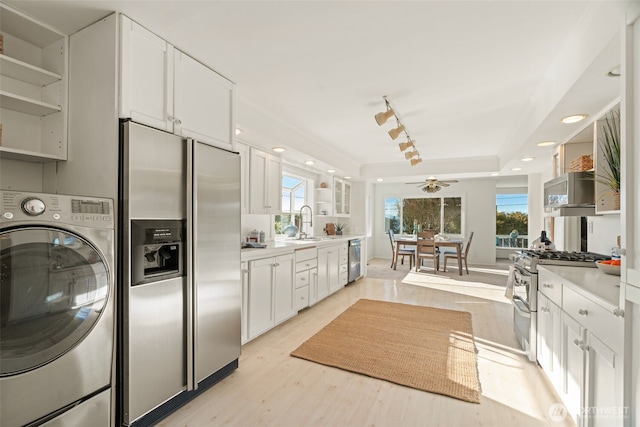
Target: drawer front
x,y
576,306
344,259
344,249
307,264
306,254
344,278
602,323
302,279
344,268
551,288
606,326
301,298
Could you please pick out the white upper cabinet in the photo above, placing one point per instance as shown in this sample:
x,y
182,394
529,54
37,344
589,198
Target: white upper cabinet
x,y
164,88
202,102
146,83
265,183
33,89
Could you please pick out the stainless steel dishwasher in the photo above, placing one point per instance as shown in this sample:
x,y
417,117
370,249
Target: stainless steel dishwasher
x,y
354,259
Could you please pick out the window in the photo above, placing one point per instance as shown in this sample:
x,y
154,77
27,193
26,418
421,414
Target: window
x,y
294,196
413,215
512,220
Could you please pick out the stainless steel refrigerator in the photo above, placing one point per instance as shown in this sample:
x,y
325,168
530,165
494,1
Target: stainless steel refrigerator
x,y
180,283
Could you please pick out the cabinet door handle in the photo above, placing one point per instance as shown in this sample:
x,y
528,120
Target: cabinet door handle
x,y
171,118
547,285
178,121
580,343
583,312
618,312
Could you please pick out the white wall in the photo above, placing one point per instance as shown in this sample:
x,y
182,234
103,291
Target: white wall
x,y
602,232
479,215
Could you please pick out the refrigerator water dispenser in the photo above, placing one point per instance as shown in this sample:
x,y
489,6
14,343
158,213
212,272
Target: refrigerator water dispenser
x,y
157,250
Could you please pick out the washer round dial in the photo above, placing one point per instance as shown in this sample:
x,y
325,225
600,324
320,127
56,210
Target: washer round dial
x,y
33,207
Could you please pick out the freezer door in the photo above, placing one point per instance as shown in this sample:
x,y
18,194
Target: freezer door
x,y
154,173
216,257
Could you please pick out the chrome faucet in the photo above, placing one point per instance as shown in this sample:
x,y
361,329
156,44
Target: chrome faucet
x,y
302,221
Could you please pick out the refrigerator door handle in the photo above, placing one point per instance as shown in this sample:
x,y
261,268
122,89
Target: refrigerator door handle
x,y
191,297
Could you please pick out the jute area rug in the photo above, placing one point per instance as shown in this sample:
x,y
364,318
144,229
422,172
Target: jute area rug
x,y
426,348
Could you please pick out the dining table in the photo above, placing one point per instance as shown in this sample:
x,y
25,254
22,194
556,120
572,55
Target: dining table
x,y
413,241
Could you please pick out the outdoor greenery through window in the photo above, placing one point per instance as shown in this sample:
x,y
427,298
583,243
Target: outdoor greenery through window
x,y
413,215
294,196
512,220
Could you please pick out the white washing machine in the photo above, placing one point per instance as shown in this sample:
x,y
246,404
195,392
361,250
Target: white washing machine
x,y
56,309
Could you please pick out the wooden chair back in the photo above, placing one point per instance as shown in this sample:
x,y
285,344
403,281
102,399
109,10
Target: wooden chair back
x,y
466,249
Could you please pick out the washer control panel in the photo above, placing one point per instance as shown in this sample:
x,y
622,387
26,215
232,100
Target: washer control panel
x,y
51,208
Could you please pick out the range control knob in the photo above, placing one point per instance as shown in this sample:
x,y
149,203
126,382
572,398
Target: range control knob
x,y
33,206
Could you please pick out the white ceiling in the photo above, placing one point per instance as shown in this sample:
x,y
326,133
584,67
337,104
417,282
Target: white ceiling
x,y
476,83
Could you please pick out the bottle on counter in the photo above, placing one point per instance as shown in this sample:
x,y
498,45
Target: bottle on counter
x,y
615,251
262,236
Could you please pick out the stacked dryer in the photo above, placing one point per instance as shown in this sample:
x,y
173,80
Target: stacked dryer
x,y
56,309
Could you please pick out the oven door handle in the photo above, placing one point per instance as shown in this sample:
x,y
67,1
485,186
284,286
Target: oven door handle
x,y
521,306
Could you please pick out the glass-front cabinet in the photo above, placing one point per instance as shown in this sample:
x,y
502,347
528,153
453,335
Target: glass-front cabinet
x,y
341,197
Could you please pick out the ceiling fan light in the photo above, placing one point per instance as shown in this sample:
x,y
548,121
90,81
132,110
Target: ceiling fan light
x,y
381,118
395,133
415,161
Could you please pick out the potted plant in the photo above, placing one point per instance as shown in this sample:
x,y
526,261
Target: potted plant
x,y
609,146
339,227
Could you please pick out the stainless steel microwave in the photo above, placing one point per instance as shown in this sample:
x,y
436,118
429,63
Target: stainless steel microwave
x,y
570,190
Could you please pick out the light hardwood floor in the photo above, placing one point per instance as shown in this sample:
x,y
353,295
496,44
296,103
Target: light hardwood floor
x,y
271,388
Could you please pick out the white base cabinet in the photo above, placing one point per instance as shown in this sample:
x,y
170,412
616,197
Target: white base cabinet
x,y
328,271
269,293
579,348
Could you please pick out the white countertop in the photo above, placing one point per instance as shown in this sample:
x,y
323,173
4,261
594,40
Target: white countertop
x,y
601,288
288,245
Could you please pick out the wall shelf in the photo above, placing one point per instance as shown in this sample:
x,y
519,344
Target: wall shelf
x,y
25,105
26,72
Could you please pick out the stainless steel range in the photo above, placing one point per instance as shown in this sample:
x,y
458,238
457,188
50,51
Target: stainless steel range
x,y
525,290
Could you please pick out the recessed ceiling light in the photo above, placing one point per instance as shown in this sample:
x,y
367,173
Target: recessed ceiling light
x,y
516,169
574,119
278,149
347,177
495,173
545,143
527,159
614,72
379,179
238,131
309,162
331,170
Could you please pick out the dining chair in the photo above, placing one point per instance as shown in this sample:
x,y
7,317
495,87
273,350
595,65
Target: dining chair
x,y
426,248
463,255
402,252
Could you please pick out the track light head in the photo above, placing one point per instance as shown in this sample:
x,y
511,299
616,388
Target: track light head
x,y
415,161
405,145
410,154
395,133
381,118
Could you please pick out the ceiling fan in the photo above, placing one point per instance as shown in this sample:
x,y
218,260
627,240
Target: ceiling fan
x,y
432,185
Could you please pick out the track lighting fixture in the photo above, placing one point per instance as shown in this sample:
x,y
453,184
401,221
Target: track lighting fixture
x,y
395,133
410,154
404,145
381,118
